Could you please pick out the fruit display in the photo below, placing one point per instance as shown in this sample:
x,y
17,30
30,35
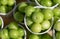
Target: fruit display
x,y
6,6
47,3
13,31
38,21
30,20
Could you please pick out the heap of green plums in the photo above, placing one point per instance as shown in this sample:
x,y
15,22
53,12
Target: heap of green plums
x,y
6,5
13,31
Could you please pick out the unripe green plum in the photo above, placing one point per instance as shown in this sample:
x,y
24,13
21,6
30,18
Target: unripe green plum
x,y
47,3
56,12
57,26
29,10
46,24
4,2
58,35
13,25
11,2
21,32
36,27
29,21
33,37
13,34
37,17
56,1
22,6
48,14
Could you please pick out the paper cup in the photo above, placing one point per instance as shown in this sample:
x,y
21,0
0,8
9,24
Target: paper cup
x,y
25,33
40,32
8,13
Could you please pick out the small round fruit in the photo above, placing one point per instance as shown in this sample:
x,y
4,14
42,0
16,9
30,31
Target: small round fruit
x,y
33,37
56,12
0,22
56,1
3,9
36,28
21,32
20,38
48,14
13,33
4,34
58,35
29,21
22,6
46,24
47,3
46,36
11,2
37,17
19,16
13,25
57,26
4,2
29,10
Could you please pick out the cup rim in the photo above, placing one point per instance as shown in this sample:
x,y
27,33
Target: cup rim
x,y
25,33
2,22
44,7
40,32
10,10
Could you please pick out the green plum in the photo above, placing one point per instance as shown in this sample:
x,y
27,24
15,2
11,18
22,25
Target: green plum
x,y
56,12
58,35
8,9
21,32
46,36
13,25
19,16
48,14
29,21
47,3
4,34
37,17
11,2
3,9
29,10
56,18
56,1
33,36
22,6
57,26
46,24
36,27
37,10
13,34
0,22
4,2
20,38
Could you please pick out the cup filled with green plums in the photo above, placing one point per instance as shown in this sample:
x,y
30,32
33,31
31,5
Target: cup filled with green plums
x,y
13,31
51,4
7,6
